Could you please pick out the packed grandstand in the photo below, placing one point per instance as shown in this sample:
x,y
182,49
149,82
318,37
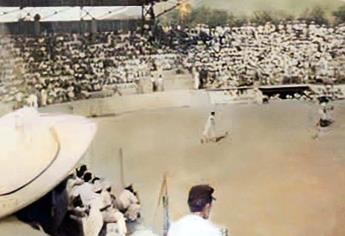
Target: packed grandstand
x,y
56,68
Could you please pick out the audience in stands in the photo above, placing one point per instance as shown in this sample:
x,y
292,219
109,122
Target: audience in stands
x,y
293,52
59,68
62,67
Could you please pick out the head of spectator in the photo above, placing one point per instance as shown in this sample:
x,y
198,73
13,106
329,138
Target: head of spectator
x,y
97,187
95,179
200,200
81,171
106,186
130,188
87,177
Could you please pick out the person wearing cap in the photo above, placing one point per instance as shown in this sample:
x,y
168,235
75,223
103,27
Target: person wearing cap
x,y
28,131
197,223
209,133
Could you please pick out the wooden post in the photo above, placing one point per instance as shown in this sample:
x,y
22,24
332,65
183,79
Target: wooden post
x,y
165,201
122,174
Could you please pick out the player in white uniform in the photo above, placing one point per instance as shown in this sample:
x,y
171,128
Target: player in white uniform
x,y
209,133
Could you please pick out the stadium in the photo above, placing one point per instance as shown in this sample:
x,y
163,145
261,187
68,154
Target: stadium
x,y
149,86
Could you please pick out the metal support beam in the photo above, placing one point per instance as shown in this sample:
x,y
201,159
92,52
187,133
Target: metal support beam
x,y
148,17
73,3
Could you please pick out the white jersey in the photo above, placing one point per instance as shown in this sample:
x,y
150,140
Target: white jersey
x,y
196,80
210,127
193,225
32,101
125,199
94,222
85,191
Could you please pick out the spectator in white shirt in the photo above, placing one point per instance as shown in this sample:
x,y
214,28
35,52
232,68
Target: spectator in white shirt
x,y
129,204
200,203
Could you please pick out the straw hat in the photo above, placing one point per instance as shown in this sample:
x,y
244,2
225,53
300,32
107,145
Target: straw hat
x,y
37,152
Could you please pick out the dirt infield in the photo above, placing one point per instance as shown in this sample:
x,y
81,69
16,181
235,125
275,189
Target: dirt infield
x,y
270,176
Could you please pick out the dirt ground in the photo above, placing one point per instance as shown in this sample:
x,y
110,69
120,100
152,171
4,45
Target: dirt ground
x,y
270,176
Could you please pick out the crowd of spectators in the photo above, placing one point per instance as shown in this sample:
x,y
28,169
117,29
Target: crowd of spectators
x,y
65,67
85,205
94,205
293,52
59,68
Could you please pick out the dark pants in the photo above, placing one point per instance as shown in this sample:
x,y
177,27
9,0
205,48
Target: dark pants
x,y
325,123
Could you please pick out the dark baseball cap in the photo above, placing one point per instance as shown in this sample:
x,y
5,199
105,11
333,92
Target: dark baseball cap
x,y
199,196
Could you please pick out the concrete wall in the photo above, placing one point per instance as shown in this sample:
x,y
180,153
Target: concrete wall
x,y
5,108
123,104
30,28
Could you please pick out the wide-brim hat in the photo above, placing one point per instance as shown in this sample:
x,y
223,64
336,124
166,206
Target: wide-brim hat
x,y
37,152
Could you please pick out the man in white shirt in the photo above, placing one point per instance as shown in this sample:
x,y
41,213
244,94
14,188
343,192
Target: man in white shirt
x,y
85,190
196,79
126,198
209,133
160,83
32,100
129,204
200,203
323,115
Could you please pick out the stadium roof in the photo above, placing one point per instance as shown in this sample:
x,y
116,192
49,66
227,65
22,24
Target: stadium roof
x,y
74,3
52,14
